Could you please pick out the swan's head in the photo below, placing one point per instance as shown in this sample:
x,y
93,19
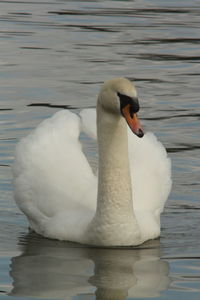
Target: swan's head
x,y
119,96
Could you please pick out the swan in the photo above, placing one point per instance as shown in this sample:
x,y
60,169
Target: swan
x,y
62,198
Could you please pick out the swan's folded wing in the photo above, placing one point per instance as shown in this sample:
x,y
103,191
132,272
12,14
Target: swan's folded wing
x,y
150,173
51,173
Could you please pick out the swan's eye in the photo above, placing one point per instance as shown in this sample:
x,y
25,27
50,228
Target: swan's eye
x,y
131,101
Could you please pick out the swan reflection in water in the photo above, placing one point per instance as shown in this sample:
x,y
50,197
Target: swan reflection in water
x,y
53,269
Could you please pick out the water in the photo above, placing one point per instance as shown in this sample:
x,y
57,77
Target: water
x,y
56,54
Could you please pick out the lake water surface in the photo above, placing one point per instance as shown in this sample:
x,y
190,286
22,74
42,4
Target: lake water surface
x,y
55,54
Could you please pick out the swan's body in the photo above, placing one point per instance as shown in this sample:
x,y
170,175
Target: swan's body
x,y
62,198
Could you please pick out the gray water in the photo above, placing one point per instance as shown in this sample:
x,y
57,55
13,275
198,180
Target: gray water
x,y
55,54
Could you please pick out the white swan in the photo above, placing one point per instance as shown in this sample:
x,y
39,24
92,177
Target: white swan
x,y
58,192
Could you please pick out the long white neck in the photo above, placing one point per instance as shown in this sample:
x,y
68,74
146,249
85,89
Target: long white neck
x,y
114,200
114,222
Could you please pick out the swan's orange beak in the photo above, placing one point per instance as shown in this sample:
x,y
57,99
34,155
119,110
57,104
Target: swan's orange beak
x,y
132,120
